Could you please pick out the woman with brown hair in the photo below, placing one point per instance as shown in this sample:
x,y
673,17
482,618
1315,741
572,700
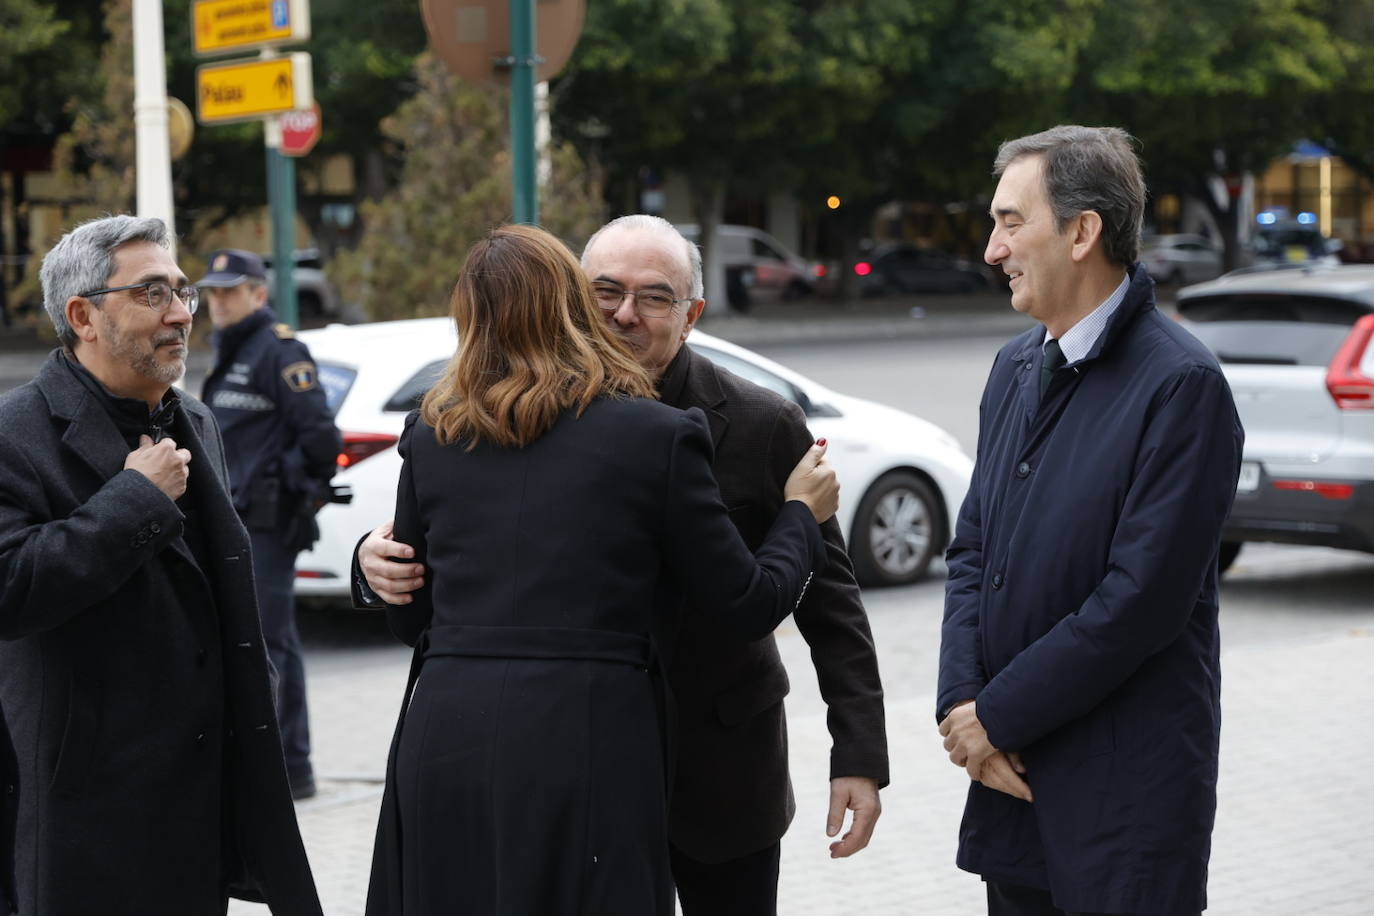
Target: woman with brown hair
x,y
562,515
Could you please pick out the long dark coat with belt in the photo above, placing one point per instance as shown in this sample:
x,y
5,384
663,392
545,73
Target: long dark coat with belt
x,y
1081,614
528,773
133,683
731,792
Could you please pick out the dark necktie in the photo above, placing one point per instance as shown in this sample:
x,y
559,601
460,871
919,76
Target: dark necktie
x,y
1054,358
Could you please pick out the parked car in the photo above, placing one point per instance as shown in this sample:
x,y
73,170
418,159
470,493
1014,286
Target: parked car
x,y
900,268
1296,347
1181,259
1285,242
316,299
765,269
902,479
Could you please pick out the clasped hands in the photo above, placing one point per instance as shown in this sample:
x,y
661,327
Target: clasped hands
x,y
969,748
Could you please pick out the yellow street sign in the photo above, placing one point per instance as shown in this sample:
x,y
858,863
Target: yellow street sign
x,y
226,26
249,89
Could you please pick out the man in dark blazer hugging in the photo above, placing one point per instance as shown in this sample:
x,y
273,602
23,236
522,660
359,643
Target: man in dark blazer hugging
x,y
133,678
732,799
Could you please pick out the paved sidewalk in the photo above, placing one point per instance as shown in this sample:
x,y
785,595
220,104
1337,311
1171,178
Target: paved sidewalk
x,y
1293,835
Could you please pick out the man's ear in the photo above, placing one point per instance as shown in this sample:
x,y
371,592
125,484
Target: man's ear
x,y
1087,231
693,313
80,313
259,296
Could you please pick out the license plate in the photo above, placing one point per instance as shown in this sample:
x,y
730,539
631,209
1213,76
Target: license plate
x,y
1249,477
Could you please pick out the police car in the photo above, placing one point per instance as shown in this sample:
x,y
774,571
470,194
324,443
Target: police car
x,y
902,478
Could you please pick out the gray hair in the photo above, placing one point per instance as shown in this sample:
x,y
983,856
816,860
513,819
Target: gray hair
x,y
1089,168
668,234
83,260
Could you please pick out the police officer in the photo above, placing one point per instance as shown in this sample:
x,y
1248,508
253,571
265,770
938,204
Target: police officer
x,y
281,445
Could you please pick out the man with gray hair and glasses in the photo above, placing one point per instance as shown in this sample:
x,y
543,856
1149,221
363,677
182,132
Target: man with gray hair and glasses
x,y
1079,663
133,679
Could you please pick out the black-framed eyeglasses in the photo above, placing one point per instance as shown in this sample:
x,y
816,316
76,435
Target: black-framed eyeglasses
x,y
654,303
156,294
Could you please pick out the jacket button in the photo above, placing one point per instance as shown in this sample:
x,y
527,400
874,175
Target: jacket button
x,y
1023,469
200,739
155,528
996,580
1028,365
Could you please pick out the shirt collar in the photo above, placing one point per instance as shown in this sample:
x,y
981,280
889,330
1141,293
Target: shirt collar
x,y
1078,340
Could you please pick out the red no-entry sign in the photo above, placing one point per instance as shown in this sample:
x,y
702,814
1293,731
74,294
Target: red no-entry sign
x,y
300,130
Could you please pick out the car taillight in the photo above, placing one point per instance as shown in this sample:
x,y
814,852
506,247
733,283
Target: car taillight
x,y
819,270
1322,488
1350,388
863,268
357,446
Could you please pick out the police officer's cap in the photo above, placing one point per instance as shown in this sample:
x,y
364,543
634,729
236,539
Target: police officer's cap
x,y
232,266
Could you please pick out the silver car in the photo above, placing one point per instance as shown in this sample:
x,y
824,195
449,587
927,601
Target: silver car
x,y
1181,259
1296,348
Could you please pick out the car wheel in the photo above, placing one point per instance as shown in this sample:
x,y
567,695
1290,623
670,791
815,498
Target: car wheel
x,y
898,528
1176,278
1227,556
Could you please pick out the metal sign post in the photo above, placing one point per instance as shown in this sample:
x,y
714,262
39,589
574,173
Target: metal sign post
x,y
263,89
524,186
488,40
281,200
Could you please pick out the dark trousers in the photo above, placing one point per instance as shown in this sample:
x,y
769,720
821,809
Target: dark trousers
x,y
747,886
274,571
1011,900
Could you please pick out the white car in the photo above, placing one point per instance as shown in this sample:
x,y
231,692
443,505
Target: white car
x,y
1297,346
1181,259
902,479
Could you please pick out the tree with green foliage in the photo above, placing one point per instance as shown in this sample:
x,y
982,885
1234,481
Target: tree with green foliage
x,y
450,144
1211,89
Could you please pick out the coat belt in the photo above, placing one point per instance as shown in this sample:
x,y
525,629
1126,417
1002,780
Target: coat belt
x,y
539,642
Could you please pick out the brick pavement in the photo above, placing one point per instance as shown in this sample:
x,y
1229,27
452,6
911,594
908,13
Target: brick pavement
x,y
1293,835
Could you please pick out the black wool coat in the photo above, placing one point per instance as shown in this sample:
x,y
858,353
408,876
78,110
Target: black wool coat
x,y
731,790
134,688
9,803
1081,614
527,774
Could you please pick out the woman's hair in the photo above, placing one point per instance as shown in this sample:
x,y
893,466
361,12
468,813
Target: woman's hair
x,y
531,343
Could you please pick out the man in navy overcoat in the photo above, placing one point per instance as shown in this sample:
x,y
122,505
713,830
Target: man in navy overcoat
x,y
1079,662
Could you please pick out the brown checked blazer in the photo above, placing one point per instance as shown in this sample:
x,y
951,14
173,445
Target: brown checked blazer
x,y
732,794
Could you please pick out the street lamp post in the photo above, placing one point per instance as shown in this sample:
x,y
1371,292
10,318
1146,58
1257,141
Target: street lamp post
x,y
153,159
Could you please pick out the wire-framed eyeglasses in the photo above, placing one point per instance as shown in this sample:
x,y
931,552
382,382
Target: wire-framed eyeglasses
x,y
157,295
653,303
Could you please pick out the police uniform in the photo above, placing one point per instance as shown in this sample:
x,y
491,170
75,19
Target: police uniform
x,y
281,446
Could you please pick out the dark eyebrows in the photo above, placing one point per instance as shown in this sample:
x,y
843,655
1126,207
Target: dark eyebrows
x,y
1004,212
662,287
155,277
